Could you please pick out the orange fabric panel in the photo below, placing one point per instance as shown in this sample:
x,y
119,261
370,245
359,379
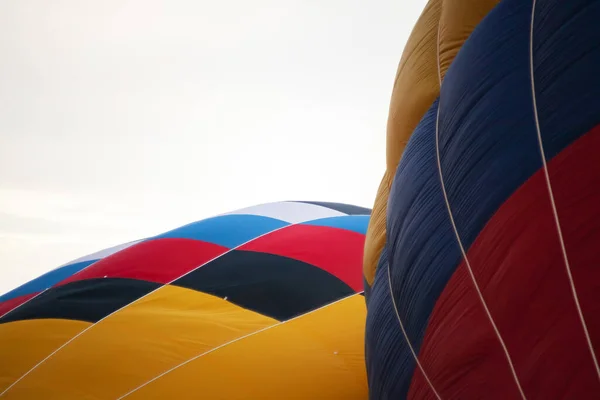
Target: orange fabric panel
x,y
130,347
319,355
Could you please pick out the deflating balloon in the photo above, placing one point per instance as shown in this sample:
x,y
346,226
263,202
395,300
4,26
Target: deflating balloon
x,y
261,303
482,255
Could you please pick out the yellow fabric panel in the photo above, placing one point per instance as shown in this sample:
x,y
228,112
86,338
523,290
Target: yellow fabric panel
x,y
459,19
415,88
141,341
317,356
23,344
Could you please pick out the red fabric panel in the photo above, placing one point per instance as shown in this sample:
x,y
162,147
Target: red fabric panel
x,y
13,303
518,264
159,260
337,251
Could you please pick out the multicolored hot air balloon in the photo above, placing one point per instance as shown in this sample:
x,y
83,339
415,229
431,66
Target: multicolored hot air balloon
x,y
482,257
260,303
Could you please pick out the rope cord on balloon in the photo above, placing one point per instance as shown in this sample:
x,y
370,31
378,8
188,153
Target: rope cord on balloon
x,y
234,341
455,229
552,201
412,350
133,302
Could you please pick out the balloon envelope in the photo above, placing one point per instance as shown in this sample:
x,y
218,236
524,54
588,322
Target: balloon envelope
x,y
487,286
263,303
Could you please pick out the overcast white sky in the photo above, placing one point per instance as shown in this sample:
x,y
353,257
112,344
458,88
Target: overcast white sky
x,y
122,119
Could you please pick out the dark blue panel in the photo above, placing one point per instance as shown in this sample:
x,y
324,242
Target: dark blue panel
x,y
422,249
388,359
227,230
47,280
88,300
488,141
356,223
341,207
276,286
423,252
566,63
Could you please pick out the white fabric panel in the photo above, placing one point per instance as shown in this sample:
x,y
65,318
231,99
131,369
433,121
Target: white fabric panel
x,y
102,253
289,211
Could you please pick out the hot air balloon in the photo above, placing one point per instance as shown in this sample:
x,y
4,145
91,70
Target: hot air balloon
x,y
482,253
259,303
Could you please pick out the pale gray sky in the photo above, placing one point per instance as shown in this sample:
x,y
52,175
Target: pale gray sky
x,y
122,119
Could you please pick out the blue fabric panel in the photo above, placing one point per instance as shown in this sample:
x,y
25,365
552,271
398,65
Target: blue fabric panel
x,y
488,137
356,223
47,280
226,230
423,255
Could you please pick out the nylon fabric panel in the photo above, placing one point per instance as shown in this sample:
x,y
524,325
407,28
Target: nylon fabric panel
x,y
459,18
56,275
337,251
479,143
390,364
417,80
416,85
272,285
422,256
518,263
157,260
355,223
305,358
89,300
98,255
566,58
488,139
376,233
226,230
343,208
134,345
449,22
25,343
292,212
45,281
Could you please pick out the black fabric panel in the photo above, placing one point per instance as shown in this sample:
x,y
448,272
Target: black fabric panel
x,y
275,286
344,208
88,300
